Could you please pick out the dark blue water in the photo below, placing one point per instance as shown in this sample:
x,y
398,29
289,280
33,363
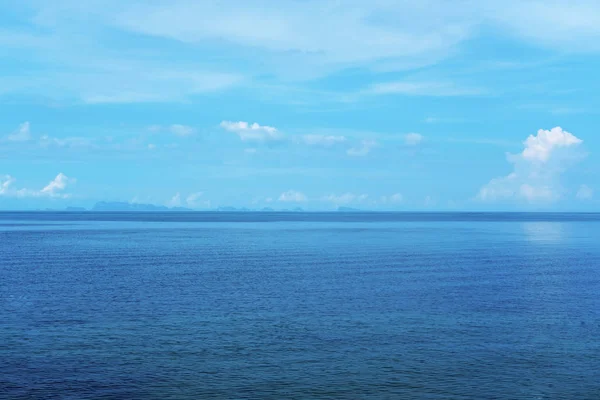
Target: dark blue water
x,y
286,306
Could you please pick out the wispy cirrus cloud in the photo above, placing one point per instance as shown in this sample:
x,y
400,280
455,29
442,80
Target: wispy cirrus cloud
x,y
181,130
5,184
413,139
22,134
362,149
289,40
72,142
433,89
176,129
322,140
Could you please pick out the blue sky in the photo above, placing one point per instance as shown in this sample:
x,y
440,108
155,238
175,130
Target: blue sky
x,y
383,105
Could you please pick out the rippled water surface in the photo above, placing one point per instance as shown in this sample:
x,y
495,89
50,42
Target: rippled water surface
x,y
283,306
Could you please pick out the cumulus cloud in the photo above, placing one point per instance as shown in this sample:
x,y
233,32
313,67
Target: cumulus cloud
x,y
22,134
540,147
322,140
345,198
293,196
413,139
533,193
536,170
54,189
585,193
252,132
363,149
57,185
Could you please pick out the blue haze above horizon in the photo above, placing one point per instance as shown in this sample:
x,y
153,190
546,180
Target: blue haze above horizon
x,y
385,106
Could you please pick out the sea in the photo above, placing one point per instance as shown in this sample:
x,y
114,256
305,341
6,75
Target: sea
x,y
249,305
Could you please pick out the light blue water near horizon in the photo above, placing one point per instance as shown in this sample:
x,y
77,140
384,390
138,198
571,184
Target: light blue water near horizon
x,y
299,305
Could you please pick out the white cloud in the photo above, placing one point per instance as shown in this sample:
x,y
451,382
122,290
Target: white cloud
x,y
56,186
309,37
394,198
195,200
22,134
322,140
572,26
293,196
362,150
585,193
54,189
252,132
413,139
345,198
540,147
115,82
537,193
175,201
434,89
318,36
499,188
537,169
290,39
181,130
5,182
47,141
151,146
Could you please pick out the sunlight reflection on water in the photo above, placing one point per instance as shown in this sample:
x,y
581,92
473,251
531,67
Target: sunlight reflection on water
x,y
549,232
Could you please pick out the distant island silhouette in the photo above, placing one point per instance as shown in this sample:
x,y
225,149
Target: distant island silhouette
x,y
123,206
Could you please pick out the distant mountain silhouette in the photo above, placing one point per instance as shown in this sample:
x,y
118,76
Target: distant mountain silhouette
x,y
347,209
227,208
124,206
78,209
233,209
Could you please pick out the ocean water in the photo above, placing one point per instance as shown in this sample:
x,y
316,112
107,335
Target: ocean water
x,y
295,306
